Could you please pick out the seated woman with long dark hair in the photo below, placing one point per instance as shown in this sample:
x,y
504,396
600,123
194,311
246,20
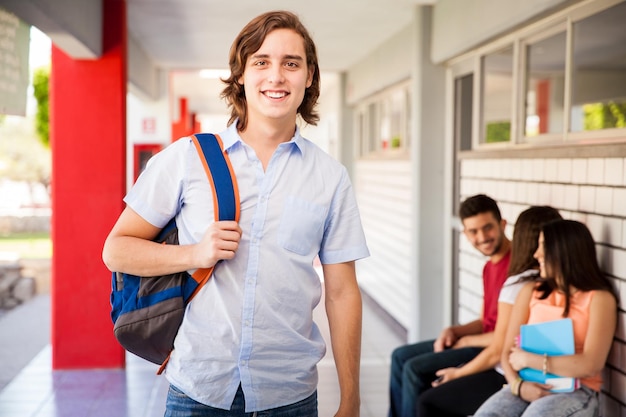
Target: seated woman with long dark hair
x,y
471,384
572,286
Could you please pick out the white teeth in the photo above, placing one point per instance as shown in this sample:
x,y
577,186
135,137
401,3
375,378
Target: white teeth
x,y
275,94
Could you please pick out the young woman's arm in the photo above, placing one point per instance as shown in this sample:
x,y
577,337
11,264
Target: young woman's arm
x,y
519,316
529,391
598,340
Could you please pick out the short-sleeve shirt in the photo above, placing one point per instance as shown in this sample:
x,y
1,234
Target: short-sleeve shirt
x,y
252,324
513,285
494,275
511,289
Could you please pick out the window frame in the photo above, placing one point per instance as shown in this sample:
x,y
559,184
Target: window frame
x,y
368,125
525,42
481,130
520,40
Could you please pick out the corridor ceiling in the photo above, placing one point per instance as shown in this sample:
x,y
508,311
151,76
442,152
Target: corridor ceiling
x,y
196,34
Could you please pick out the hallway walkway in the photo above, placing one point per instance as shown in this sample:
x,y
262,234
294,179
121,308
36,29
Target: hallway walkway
x,y
37,391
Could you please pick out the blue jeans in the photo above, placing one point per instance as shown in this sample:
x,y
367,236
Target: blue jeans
x,y
581,403
180,405
413,370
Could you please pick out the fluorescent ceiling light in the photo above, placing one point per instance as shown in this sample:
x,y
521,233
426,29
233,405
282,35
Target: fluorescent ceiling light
x,y
214,73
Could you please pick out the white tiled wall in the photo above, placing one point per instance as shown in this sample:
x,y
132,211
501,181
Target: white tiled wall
x,y
383,192
591,190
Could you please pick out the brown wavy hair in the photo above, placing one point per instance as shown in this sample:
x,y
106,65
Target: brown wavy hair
x,y
247,43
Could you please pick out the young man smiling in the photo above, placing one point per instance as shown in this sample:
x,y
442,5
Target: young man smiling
x,y
413,366
248,343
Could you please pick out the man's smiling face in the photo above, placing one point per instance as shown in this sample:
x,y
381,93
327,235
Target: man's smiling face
x,y
484,232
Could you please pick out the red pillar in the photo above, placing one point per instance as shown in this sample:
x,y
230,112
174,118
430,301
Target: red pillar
x,y
187,124
88,138
181,126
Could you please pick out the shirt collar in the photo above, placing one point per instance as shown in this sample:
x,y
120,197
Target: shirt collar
x,y
298,140
230,137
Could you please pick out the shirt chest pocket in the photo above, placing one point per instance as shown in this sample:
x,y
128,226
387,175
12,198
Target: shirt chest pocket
x,y
301,226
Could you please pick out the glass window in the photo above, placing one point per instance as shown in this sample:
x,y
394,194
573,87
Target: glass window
x,y
392,125
407,118
361,132
497,96
397,119
545,85
383,121
365,123
372,131
599,71
463,102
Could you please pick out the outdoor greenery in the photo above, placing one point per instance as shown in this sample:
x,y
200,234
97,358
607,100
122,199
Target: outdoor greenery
x,y
27,246
605,115
24,150
498,132
41,78
22,155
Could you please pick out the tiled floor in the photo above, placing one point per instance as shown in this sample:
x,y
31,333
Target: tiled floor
x,y
137,391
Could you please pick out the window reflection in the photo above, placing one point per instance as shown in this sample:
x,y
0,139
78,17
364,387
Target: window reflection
x,y
497,96
463,101
393,126
545,85
383,121
599,71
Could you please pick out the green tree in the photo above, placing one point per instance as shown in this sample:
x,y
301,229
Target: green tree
x,y
24,141
23,156
41,78
498,132
604,115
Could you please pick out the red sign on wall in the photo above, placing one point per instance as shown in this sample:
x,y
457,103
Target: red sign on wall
x,y
148,125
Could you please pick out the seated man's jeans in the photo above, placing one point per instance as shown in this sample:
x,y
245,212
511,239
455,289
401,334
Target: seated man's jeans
x,y
413,370
180,405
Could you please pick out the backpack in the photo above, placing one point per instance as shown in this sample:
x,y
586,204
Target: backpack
x,y
147,311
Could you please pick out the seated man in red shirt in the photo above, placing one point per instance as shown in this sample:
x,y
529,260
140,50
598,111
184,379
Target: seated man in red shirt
x,y
413,366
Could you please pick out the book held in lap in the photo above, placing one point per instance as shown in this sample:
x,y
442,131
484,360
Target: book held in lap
x,y
553,338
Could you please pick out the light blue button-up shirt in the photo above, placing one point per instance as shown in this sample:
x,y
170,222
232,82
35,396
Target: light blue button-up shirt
x,y
252,322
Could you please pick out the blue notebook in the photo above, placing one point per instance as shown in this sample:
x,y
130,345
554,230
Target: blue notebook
x,y
556,338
